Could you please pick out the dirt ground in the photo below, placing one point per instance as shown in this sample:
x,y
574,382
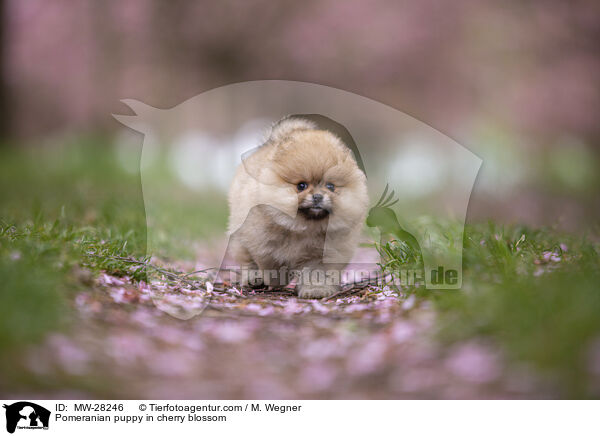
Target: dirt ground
x,y
364,343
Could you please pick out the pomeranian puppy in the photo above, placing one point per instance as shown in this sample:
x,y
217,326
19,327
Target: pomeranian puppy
x,y
297,207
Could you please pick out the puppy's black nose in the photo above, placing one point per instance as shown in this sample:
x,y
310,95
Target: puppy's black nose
x,y
317,198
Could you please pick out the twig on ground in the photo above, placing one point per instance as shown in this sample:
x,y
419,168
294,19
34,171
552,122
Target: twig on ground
x,y
348,289
354,288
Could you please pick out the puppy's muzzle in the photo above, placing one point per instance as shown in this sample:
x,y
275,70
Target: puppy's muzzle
x,y
315,210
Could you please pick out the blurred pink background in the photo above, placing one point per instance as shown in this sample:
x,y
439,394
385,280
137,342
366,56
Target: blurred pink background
x,y
516,82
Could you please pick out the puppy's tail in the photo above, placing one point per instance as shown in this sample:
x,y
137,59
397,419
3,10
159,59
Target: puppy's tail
x,y
286,126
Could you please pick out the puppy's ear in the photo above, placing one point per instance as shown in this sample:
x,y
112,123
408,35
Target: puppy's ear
x,y
279,132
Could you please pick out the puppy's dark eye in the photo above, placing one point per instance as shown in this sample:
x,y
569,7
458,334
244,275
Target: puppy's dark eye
x,y
302,186
330,187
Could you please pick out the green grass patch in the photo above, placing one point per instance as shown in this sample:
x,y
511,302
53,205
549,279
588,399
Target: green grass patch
x,y
72,208
535,293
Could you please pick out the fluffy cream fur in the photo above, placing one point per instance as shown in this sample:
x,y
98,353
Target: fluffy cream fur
x,y
273,224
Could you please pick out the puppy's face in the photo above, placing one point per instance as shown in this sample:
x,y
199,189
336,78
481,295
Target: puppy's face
x,y
320,171
314,200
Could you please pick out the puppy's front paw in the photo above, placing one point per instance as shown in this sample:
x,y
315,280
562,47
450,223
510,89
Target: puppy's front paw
x,y
317,291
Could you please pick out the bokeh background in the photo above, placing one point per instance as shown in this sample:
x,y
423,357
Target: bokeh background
x,y
516,82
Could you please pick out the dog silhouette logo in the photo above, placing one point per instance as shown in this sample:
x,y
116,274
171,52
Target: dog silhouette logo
x,y
191,152
26,415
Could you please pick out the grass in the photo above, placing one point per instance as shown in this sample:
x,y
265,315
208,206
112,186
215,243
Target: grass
x,y
534,293
72,211
68,214
54,216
